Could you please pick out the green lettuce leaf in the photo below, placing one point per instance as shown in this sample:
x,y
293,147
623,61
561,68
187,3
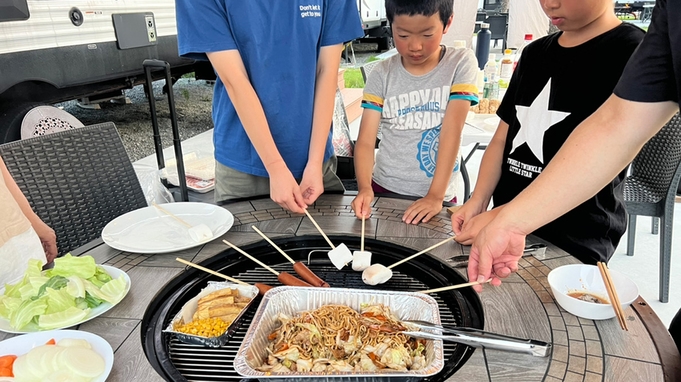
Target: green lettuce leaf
x,y
100,277
81,266
58,300
26,311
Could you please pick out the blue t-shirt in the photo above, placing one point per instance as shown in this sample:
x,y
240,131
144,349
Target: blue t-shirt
x,y
279,43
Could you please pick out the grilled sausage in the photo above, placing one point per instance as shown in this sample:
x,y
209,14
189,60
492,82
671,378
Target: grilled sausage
x,y
306,274
262,288
289,279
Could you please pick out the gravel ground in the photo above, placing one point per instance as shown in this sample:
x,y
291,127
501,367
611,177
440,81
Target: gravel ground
x,y
193,101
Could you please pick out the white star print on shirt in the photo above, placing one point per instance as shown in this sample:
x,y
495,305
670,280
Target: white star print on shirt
x,y
534,121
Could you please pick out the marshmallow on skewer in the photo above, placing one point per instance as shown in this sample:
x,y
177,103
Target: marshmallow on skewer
x,y
340,256
376,274
200,233
361,259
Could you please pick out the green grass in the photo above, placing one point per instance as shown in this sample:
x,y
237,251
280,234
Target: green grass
x,y
353,78
188,75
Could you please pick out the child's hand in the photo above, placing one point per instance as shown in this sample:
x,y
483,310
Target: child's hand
x,y
362,203
469,210
284,191
47,237
473,226
312,184
422,210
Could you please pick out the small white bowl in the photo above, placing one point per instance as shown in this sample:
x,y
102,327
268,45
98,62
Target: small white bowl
x,y
587,278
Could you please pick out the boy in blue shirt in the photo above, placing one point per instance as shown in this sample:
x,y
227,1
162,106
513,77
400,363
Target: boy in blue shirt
x,y
420,99
277,64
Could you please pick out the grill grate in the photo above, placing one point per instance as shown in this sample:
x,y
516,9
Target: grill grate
x,y
197,363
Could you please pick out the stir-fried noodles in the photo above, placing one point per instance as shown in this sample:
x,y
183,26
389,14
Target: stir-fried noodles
x,y
338,338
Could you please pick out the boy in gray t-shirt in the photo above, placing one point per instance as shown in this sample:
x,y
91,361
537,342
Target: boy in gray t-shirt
x,y
420,99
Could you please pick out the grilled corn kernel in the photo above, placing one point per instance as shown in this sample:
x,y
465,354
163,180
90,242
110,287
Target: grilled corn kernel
x,y
206,327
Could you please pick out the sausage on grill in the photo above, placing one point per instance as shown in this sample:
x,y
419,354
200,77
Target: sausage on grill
x,y
306,274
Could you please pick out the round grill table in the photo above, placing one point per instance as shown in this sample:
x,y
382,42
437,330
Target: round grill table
x,y
583,350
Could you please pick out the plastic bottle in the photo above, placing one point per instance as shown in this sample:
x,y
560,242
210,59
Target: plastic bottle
x,y
507,65
526,42
482,45
491,68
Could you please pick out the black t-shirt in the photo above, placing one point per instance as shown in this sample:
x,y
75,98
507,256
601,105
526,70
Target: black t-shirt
x,y
654,72
552,91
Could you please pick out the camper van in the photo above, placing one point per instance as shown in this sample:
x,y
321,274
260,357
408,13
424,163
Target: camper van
x,y
375,23
58,50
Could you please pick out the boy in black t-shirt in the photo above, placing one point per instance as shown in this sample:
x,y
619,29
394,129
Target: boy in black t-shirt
x,y
560,80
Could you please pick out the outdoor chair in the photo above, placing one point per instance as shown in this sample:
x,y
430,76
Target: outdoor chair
x,y
650,190
76,180
497,25
367,68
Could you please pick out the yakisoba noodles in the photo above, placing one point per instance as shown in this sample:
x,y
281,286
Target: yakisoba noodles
x,y
338,338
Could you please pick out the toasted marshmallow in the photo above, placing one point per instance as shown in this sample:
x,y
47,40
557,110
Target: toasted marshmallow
x,y
376,274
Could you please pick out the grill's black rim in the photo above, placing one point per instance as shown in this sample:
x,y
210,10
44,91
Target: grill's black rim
x,y
177,291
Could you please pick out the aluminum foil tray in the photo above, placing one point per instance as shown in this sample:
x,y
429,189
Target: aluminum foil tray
x,y
190,307
293,300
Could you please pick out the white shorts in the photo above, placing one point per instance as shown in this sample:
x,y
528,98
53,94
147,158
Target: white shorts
x,y
16,252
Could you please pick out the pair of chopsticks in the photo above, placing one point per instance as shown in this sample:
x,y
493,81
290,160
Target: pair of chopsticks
x,y
612,293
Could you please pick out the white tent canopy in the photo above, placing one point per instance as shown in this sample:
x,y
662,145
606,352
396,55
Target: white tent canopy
x,y
525,16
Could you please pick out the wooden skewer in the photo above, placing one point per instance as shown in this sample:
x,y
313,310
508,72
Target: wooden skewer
x,y
455,286
421,253
612,293
361,238
251,257
320,230
172,215
212,272
274,245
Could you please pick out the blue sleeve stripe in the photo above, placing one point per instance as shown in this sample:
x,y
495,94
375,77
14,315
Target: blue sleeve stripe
x,y
372,106
472,98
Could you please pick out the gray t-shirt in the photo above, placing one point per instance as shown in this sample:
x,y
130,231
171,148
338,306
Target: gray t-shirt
x,y
412,109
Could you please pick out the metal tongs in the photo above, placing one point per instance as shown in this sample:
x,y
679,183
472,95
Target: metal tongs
x,y
478,338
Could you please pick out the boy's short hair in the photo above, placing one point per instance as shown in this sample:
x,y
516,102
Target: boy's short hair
x,y
419,7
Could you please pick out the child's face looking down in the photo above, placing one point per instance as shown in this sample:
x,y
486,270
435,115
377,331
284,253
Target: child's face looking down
x,y
417,39
574,15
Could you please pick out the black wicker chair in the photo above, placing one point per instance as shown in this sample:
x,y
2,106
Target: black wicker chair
x,y
76,181
650,190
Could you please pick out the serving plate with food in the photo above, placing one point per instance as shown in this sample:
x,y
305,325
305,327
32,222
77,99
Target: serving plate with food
x,y
74,291
301,332
209,318
56,355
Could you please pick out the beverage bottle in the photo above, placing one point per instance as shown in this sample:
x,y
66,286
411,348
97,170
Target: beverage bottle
x,y
507,65
526,42
491,68
482,45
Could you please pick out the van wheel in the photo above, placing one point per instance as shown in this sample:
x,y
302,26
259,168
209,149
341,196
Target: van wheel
x,y
11,117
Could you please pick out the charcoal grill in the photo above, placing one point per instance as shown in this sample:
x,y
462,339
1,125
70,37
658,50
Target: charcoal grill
x,y
177,361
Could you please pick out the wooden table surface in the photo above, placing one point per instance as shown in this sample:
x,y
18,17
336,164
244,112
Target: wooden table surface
x,y
523,306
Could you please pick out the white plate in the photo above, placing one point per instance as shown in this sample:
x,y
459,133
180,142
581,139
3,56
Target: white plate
x,y
94,312
149,230
21,345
